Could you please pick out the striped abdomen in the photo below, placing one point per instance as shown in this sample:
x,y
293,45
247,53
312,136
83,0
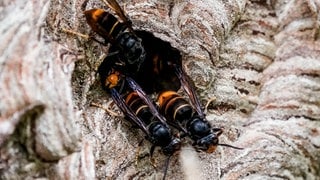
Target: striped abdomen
x,y
174,107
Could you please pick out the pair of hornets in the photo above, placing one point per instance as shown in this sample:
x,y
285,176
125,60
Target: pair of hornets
x,y
138,64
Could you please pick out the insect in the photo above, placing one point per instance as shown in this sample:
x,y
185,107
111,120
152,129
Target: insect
x,y
181,115
126,53
141,112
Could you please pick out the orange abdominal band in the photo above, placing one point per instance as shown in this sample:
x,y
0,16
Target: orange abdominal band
x,y
96,13
164,97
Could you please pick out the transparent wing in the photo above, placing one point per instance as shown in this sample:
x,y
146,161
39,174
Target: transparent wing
x,y
187,85
127,111
135,86
114,5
